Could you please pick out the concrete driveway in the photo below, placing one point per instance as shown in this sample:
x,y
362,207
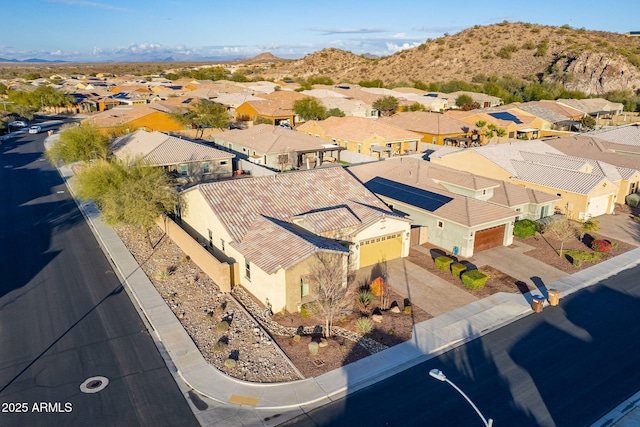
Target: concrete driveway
x,y
620,227
513,261
425,290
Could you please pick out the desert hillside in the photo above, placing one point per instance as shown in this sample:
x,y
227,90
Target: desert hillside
x,y
593,62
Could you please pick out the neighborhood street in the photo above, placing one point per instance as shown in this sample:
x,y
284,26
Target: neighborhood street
x,y
65,319
566,366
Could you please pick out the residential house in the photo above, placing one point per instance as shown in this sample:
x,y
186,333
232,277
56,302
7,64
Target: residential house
x,y
189,161
599,108
152,117
278,148
585,191
364,136
435,128
457,211
274,227
276,107
482,99
603,154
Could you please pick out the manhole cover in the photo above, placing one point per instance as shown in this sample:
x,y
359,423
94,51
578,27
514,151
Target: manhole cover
x,y
94,384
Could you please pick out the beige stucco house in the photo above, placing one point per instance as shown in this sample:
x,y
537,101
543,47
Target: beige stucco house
x,y
586,188
274,227
190,161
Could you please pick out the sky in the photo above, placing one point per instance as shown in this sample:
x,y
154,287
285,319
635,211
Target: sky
x,y
112,30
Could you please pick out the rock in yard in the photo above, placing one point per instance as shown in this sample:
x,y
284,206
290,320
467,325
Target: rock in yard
x,y
376,318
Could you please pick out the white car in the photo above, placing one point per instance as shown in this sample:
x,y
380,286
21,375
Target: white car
x,y
35,129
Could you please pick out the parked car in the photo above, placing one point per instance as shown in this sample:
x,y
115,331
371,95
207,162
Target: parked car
x,y
18,124
35,129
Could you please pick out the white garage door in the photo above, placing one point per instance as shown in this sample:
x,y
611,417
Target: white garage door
x,y
598,205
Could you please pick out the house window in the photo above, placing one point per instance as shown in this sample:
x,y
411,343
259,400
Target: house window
x,y
359,147
440,224
247,269
223,162
304,286
205,168
222,244
210,238
484,192
183,170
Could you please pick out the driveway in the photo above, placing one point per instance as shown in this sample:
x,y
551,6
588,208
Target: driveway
x,y
425,290
620,227
513,261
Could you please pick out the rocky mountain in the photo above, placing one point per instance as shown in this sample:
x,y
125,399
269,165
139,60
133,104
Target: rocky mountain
x,y
593,62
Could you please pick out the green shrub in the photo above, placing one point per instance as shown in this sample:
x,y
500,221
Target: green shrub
x,y
457,269
443,262
297,338
474,279
633,200
304,312
230,363
365,324
314,347
222,326
220,346
364,300
525,228
577,257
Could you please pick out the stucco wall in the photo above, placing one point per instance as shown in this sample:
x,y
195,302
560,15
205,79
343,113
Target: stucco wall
x,y
221,273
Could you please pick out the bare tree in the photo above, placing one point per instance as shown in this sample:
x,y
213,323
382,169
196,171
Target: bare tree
x,y
561,231
329,278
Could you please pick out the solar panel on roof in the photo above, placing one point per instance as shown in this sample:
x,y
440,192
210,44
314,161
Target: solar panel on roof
x,y
414,196
504,115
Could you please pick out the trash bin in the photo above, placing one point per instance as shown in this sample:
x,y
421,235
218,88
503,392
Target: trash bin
x,y
554,296
537,304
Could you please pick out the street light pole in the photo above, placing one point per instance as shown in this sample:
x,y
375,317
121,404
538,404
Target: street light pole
x,y
439,375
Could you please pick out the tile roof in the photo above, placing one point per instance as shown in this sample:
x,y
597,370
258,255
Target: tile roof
x,y
416,183
598,149
592,105
161,149
432,123
271,139
361,129
512,195
553,177
266,237
125,114
284,196
623,135
326,220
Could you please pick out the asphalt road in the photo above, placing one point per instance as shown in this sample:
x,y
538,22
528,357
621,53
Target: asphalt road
x,y
64,316
567,366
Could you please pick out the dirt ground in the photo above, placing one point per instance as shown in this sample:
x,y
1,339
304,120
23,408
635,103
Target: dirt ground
x,y
545,250
394,329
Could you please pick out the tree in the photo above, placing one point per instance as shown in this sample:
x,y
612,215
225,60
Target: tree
x,y
309,109
328,275
589,226
587,122
79,143
133,193
386,105
463,99
561,231
335,112
204,114
416,106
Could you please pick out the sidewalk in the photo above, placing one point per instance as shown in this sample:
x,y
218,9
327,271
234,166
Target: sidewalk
x,y
243,403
